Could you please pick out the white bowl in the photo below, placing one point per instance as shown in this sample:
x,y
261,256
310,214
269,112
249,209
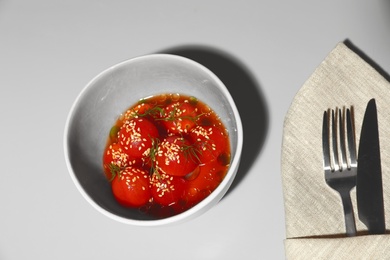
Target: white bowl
x,y
113,91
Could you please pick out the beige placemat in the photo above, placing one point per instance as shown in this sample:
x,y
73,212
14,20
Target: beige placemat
x,y
313,210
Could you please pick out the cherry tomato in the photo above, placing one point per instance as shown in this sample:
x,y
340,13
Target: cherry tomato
x,y
210,141
139,110
180,117
165,154
176,156
167,190
114,157
131,187
210,175
136,137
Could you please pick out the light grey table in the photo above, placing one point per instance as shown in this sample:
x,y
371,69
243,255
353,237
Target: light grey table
x,y
263,50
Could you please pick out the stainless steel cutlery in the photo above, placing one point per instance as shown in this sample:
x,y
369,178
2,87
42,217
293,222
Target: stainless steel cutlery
x,y
340,164
369,191
343,171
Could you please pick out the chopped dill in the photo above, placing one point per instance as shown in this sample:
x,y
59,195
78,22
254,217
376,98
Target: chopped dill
x,y
115,170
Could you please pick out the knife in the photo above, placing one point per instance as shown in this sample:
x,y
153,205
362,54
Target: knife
x,y
369,190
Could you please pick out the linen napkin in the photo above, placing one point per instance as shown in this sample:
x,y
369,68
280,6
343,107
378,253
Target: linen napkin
x,y
314,215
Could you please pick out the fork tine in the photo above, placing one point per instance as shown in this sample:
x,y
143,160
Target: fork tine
x,y
342,131
334,155
325,141
351,140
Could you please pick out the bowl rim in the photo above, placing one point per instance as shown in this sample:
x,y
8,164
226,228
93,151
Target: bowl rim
x,y
206,203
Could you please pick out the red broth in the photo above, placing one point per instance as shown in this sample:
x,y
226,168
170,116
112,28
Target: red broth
x,y
165,154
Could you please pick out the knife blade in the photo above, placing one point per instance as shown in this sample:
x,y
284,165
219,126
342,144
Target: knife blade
x,y
369,190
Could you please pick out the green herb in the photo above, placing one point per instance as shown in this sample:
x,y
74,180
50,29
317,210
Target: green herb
x,y
152,156
143,101
154,112
114,132
115,170
191,152
160,114
173,116
193,101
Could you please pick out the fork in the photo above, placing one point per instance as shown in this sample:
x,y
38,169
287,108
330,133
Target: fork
x,y
340,172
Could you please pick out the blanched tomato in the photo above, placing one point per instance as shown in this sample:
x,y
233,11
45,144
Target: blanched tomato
x,y
210,141
136,137
176,156
139,110
210,175
166,189
131,187
165,154
114,157
180,117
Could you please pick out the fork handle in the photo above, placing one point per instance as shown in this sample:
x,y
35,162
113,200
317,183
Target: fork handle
x,y
349,216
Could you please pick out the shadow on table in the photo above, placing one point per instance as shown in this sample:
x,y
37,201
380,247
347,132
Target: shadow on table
x,y
367,59
246,93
